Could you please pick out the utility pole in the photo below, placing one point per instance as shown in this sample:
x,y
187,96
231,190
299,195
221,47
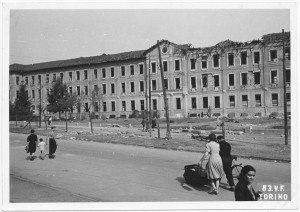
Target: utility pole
x,y
146,85
286,132
40,109
150,118
168,134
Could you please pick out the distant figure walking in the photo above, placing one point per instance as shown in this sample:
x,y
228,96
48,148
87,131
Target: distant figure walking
x,y
42,145
225,153
32,141
50,121
214,164
244,190
143,124
52,142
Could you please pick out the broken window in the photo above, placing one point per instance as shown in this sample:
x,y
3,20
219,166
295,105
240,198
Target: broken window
x,y
47,78
153,66
131,69
193,64
256,57
17,80
112,72
85,74
245,100
257,100
103,73
113,106
231,79
32,79
142,102
154,102
54,77
104,106
216,61
216,80
141,66
112,88
231,101
132,105
70,76
243,58
274,99
86,91
257,78
123,87
165,66
78,75
230,59
273,55
204,80
62,77
154,85
204,62
177,65
288,75
142,86
217,102
123,105
86,107
205,102
32,94
122,70
166,83
177,83
178,103
244,78
274,79
78,90
194,102
287,53
70,90
193,82
288,97
132,87
104,88
95,73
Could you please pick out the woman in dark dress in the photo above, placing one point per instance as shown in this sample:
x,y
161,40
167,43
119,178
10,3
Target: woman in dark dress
x,y
52,143
32,141
244,190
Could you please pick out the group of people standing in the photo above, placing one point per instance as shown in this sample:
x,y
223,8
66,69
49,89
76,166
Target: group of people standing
x,y
220,163
33,143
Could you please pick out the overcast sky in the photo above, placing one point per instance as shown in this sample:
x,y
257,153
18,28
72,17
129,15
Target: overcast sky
x,y
47,35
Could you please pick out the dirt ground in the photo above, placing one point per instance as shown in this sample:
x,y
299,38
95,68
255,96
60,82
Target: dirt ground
x,y
265,142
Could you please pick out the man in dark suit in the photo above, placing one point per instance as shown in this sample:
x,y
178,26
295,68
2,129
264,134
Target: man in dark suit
x,y
225,153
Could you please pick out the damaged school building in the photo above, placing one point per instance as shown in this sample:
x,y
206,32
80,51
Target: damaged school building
x,y
227,78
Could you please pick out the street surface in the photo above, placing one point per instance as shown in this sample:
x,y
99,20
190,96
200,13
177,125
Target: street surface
x,y
101,172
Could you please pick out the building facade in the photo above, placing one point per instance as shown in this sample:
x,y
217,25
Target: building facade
x,y
227,78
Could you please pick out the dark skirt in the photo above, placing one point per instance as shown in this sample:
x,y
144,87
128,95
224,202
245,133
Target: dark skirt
x,y
52,146
31,147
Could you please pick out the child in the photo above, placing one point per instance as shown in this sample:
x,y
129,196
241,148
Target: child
x,y
42,145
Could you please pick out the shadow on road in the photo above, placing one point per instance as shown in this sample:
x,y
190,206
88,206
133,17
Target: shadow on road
x,y
188,187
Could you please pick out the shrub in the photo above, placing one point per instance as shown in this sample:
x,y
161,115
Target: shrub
x,y
231,115
206,127
258,114
217,114
135,114
123,116
244,114
273,115
103,117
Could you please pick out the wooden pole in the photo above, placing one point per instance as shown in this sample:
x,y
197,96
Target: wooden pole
x,y
168,134
150,118
284,92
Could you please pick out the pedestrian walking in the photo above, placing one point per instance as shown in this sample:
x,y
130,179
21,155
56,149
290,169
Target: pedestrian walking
x,y
143,123
244,190
32,141
214,165
52,142
41,146
225,153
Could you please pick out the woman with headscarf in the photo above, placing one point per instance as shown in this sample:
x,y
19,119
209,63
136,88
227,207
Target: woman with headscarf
x,y
214,165
52,142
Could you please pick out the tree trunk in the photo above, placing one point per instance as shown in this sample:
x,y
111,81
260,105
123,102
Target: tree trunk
x,y
66,117
91,122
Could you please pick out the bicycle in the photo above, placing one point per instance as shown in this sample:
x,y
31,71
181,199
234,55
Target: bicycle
x,y
236,168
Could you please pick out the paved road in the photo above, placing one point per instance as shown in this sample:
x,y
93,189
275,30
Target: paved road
x,y
97,172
